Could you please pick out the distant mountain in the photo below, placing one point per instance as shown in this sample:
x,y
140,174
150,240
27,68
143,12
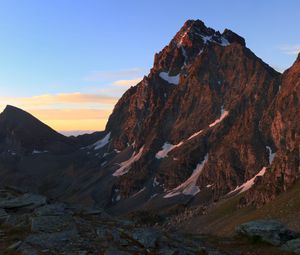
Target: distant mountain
x,y
20,131
209,122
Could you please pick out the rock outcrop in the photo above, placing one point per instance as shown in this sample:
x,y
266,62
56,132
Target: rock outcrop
x,y
270,231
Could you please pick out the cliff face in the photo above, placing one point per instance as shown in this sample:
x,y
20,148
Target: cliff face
x,y
280,127
204,101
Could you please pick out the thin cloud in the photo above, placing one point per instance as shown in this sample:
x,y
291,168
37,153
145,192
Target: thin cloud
x,y
70,114
127,83
66,112
291,49
68,98
98,76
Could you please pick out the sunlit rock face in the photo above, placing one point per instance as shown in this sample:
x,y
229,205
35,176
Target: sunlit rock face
x,y
280,127
205,95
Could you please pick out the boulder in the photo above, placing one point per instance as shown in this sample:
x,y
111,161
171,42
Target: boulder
x,y
292,245
50,224
56,240
26,200
15,245
3,215
148,237
270,231
51,210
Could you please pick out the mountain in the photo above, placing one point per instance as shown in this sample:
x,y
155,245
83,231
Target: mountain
x,y
211,121
34,157
193,122
21,132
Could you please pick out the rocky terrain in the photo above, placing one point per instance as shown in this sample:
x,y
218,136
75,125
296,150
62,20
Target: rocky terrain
x,y
31,224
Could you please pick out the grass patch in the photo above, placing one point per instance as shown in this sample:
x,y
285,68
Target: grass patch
x,y
224,217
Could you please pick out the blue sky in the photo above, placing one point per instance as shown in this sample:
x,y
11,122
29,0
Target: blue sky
x,y
94,47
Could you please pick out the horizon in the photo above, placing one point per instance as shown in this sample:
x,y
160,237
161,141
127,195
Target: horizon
x,y
68,63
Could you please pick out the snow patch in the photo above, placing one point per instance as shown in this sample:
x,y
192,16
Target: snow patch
x,y
155,182
189,187
206,39
11,152
195,134
248,184
200,52
170,79
154,195
271,154
100,144
224,42
38,152
182,37
167,147
222,117
126,165
185,56
139,192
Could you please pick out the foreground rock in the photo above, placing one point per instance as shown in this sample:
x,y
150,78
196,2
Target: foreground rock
x,y
26,200
292,245
271,231
32,225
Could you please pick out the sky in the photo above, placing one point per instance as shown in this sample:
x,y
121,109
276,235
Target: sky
x,y
68,61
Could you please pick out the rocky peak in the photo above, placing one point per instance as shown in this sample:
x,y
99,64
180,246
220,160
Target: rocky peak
x,y
195,30
12,111
190,42
16,119
191,31
19,130
233,37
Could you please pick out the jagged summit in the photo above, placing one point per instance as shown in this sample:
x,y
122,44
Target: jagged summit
x,y
193,39
196,30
